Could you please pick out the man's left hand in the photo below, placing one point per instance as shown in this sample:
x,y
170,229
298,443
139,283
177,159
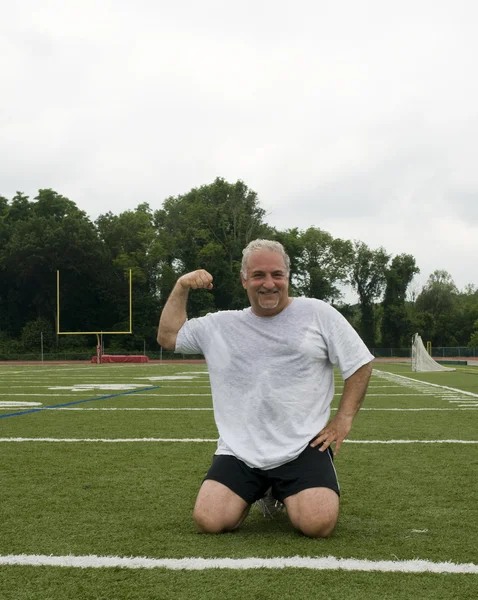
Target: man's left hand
x,y
334,432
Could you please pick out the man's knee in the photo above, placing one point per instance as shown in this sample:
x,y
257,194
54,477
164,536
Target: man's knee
x,y
318,528
314,511
218,509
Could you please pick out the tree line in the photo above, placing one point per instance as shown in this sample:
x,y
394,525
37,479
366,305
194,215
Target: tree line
x,y
206,228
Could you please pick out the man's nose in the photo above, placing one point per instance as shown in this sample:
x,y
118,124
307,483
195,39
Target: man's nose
x,y
268,282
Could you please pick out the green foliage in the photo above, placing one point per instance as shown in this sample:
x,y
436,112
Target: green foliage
x,y
322,263
473,343
33,332
42,237
208,227
397,327
368,277
451,312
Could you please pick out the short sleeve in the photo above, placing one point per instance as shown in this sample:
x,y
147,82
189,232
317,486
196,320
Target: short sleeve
x,y
188,340
346,349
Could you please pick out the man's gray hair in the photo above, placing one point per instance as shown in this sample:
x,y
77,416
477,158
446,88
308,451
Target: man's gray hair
x,y
258,245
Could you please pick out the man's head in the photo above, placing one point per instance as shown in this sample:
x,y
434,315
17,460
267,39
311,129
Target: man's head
x,y
265,277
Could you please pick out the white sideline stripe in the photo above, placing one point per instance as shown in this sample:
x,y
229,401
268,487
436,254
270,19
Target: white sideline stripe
x,y
198,440
443,387
326,563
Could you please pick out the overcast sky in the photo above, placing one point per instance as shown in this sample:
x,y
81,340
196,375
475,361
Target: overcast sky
x,y
358,117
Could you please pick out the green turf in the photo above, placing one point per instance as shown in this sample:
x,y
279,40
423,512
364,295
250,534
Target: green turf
x,y
398,501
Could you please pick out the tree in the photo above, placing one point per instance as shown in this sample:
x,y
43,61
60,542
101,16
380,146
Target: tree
x,y
473,343
322,264
368,279
208,228
396,325
439,298
43,236
131,241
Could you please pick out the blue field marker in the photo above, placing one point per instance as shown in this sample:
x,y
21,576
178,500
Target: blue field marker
x,y
36,410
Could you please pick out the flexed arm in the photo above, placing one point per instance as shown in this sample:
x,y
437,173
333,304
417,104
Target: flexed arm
x,y
174,312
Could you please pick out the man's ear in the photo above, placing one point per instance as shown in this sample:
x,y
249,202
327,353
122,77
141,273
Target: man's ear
x,y
244,281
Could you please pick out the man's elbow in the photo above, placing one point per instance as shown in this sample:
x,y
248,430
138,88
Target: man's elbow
x,y
167,342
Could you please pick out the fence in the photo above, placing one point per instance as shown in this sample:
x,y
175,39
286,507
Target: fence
x,y
437,352
160,354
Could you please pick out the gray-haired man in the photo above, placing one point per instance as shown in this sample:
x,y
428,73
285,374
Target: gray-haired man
x,y
271,373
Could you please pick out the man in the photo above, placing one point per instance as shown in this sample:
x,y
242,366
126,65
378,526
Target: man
x,y
271,373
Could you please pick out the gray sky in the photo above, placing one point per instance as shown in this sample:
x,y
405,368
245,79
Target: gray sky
x,y
360,118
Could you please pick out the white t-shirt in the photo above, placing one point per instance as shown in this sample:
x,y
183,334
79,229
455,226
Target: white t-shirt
x,y
272,378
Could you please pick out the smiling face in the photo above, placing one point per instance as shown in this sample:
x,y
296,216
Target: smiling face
x,y
267,283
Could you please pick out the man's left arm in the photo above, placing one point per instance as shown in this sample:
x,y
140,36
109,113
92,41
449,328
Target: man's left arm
x,y
353,395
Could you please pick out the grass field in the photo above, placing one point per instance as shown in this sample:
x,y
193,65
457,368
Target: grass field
x,y
96,492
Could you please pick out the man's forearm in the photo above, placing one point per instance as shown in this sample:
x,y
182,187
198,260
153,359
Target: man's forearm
x,y
355,388
173,317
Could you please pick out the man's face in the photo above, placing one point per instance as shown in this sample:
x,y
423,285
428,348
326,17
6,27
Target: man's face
x,y
267,283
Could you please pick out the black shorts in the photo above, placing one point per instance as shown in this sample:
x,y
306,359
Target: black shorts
x,y
310,469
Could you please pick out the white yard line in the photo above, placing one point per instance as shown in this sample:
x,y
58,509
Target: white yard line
x,y
22,405
199,440
395,395
326,563
45,395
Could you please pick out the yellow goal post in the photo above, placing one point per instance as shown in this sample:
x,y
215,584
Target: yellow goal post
x,y
97,333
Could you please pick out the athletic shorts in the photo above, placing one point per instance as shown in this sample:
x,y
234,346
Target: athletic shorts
x,y
310,469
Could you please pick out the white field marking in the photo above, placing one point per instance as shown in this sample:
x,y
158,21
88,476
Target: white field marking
x,y
462,401
398,395
48,395
139,395
412,382
13,404
169,378
108,441
419,530
377,385
210,409
45,395
56,370
201,440
326,563
86,387
193,373
140,409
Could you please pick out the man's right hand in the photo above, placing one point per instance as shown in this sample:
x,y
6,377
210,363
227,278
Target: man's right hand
x,y
174,312
195,280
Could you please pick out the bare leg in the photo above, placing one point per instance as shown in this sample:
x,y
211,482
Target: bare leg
x,y
314,511
218,509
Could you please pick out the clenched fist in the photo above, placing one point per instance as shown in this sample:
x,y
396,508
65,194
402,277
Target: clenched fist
x,y
195,280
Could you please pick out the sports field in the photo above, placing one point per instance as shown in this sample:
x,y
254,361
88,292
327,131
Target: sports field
x,y
100,466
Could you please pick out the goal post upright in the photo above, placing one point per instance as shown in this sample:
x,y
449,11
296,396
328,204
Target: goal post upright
x,y
99,340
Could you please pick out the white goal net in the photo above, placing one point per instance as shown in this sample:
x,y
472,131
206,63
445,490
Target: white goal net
x,y
421,360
